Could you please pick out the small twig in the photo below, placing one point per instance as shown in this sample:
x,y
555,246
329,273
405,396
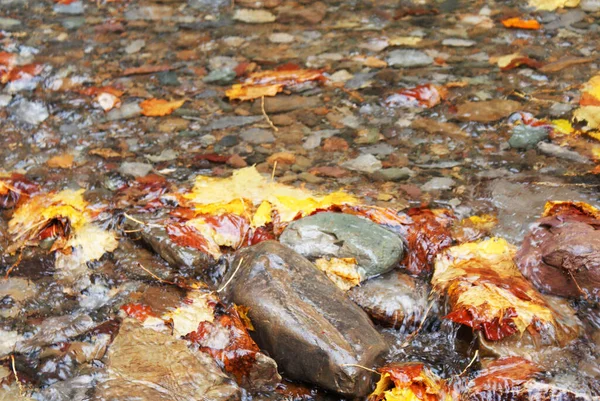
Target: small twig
x,y
585,296
14,369
262,107
141,222
230,278
470,363
18,261
414,333
154,275
362,367
273,172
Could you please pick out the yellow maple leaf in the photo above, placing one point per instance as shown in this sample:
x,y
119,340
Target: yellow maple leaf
x,y
342,271
563,127
198,307
249,92
551,5
93,242
250,185
589,114
483,283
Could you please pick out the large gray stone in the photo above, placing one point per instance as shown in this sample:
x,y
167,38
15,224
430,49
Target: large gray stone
x,y
338,235
313,331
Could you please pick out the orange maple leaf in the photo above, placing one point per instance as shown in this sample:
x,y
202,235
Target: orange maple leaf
x,y
160,107
521,23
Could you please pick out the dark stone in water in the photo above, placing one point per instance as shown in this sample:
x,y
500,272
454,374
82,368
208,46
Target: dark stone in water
x,y
303,320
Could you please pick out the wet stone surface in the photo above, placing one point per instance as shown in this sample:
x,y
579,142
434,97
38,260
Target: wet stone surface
x,y
441,123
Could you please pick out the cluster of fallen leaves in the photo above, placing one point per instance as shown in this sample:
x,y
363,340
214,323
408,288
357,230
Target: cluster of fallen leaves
x,y
218,330
270,83
12,70
64,218
410,382
487,292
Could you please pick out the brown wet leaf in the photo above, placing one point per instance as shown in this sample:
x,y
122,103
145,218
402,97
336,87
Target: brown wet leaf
x,y
409,382
503,376
146,69
270,83
15,187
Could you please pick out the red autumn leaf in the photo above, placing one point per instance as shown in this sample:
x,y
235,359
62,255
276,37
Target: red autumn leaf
x,y
16,73
503,375
184,235
138,311
427,95
521,23
238,353
230,229
7,59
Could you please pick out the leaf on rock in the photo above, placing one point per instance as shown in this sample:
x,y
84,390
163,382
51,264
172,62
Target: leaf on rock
x,y
486,291
196,308
270,83
189,235
551,5
409,382
93,242
427,95
502,376
474,227
342,271
554,208
247,187
521,23
160,107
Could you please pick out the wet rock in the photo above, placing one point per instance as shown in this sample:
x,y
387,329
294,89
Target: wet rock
x,y
365,163
561,152
55,329
527,137
164,156
75,389
310,14
314,139
407,58
457,42
393,174
30,112
394,299
73,22
9,24
282,104
5,100
185,258
210,5
257,136
439,184
561,255
135,169
168,78
135,46
254,16
125,112
281,37
220,77
590,5
14,291
338,235
232,121
487,111
74,8
153,366
8,342
303,320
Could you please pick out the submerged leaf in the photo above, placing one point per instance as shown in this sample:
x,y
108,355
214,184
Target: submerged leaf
x,y
342,271
160,107
487,292
409,382
270,83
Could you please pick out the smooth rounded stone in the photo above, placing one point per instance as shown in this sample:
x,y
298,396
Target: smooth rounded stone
x,y
55,329
590,5
126,111
526,137
393,174
72,22
561,256
311,329
5,100
366,163
74,8
157,367
408,59
339,235
209,5
232,121
561,152
9,24
257,136
438,184
29,112
281,37
457,42
187,259
220,77
250,16
393,300
135,169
